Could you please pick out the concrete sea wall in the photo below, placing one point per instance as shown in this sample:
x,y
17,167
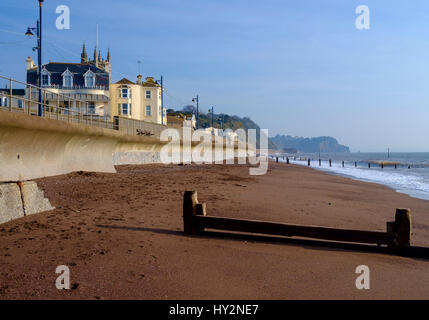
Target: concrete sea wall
x,y
33,147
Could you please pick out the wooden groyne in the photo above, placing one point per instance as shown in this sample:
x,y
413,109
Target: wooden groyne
x,y
361,163
196,221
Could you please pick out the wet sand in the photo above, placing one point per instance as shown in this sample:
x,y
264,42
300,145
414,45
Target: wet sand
x,y
121,236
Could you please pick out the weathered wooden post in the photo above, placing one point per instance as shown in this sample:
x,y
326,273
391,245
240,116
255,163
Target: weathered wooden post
x,y
330,162
192,208
190,202
403,227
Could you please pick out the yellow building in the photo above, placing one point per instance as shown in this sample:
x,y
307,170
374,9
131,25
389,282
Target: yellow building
x,y
139,100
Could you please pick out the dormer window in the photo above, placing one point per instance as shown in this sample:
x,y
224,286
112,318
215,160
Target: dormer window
x,y
67,79
46,77
89,79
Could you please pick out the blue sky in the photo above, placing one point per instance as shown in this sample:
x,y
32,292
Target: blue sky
x,y
294,67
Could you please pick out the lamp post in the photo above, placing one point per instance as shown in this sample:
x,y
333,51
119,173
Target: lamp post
x,y
162,100
29,33
212,111
198,114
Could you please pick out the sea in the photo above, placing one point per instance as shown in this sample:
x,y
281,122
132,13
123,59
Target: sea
x,y
409,176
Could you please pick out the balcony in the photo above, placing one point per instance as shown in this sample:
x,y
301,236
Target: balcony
x,y
75,87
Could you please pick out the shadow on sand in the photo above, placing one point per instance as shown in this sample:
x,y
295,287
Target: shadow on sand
x,y
411,252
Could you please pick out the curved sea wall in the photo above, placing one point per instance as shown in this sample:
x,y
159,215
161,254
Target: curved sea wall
x,y
33,147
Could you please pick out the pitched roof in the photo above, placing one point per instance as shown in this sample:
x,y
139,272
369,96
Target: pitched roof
x,y
56,69
81,68
124,81
150,82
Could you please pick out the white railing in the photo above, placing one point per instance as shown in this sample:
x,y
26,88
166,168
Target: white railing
x,y
75,87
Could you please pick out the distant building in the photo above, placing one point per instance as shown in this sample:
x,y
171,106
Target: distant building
x,y
17,99
140,100
179,120
88,81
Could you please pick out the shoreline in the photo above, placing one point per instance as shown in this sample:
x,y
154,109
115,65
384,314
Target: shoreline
x,y
122,237
417,194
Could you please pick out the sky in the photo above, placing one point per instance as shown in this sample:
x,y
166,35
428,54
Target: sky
x,y
298,68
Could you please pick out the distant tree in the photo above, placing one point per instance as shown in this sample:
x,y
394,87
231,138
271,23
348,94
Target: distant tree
x,y
189,109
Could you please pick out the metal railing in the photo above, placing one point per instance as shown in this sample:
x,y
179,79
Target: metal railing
x,y
59,106
75,87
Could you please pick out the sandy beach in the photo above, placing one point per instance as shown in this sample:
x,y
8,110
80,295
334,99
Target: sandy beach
x,y
122,237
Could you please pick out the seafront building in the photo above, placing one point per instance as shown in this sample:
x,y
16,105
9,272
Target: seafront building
x,y
179,120
88,81
140,100
18,98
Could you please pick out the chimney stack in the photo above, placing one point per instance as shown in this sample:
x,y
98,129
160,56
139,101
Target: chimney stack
x,y
139,79
30,63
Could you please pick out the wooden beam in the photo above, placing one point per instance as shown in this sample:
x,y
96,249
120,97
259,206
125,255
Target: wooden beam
x,y
195,221
262,227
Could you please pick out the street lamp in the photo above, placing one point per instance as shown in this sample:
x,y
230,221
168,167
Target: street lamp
x,y
196,99
162,100
29,33
212,111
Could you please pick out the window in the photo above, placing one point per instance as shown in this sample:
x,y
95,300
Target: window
x,y
148,111
147,94
91,107
125,109
45,80
66,107
46,77
89,82
67,81
20,104
89,79
124,93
